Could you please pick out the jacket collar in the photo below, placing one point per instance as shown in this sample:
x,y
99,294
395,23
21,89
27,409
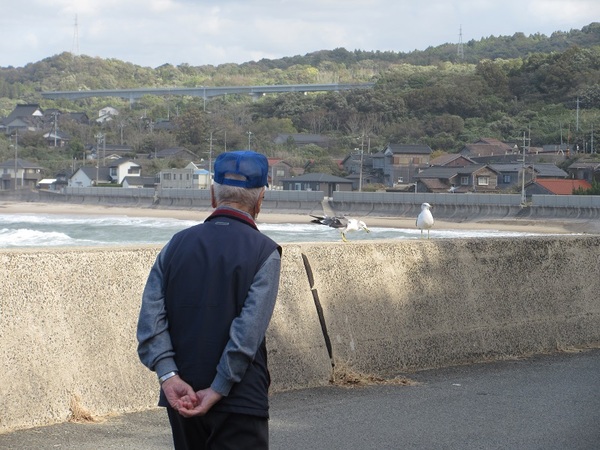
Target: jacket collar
x,y
225,211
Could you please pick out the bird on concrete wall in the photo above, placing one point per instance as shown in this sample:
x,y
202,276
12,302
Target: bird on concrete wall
x,y
344,224
425,219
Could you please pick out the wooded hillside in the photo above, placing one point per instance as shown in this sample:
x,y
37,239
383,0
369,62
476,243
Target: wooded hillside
x,y
548,86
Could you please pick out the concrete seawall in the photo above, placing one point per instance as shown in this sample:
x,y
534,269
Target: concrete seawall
x,y
451,207
467,212
68,316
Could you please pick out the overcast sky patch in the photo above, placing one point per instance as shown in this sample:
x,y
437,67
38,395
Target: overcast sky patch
x,y
154,32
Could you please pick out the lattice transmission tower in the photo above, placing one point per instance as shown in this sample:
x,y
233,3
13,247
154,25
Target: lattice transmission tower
x,y
460,51
75,46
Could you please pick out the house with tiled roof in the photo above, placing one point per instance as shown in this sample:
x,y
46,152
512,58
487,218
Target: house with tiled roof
x,y
87,176
139,182
176,153
585,170
452,160
547,170
78,117
509,174
488,147
62,179
555,186
123,167
19,173
352,164
278,170
113,173
399,163
163,125
103,150
317,182
56,138
27,117
473,178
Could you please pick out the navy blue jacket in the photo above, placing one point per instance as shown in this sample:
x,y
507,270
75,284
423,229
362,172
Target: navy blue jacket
x,y
209,270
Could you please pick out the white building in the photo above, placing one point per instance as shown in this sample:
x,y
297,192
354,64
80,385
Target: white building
x,y
116,172
190,177
123,167
87,176
106,114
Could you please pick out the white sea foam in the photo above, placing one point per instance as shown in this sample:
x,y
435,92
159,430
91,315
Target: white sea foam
x,y
44,230
23,237
317,233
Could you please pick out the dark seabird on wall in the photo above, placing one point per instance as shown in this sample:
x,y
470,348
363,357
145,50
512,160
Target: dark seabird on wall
x,y
344,224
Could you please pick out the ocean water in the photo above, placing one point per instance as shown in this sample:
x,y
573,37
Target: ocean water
x,y
55,230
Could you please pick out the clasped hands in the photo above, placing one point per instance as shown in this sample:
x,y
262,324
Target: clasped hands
x,y
185,401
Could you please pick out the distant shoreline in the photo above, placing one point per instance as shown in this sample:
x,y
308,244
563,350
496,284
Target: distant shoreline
x,y
527,225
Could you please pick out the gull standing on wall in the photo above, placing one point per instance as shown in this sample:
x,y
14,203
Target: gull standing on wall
x,y
425,219
342,223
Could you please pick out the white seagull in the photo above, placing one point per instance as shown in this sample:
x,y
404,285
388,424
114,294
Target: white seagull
x,y
342,223
425,219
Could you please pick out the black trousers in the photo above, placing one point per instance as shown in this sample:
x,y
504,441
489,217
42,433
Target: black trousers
x,y
219,431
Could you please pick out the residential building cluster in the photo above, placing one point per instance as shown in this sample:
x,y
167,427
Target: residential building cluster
x,y
485,166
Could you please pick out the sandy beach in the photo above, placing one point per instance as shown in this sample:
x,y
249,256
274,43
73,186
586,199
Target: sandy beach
x,y
531,226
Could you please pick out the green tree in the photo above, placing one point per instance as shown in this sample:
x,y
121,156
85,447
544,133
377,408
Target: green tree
x,y
594,190
192,127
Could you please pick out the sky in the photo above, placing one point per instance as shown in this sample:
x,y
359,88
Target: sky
x,y
198,32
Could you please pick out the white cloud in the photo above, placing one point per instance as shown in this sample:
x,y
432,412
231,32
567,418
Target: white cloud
x,y
565,11
154,32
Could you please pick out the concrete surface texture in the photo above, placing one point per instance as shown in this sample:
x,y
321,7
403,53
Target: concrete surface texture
x,y
548,402
68,316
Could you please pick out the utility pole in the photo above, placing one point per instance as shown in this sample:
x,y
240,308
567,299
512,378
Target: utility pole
x,y
272,176
362,151
561,134
55,130
523,196
249,137
16,156
99,137
75,47
577,117
210,155
121,126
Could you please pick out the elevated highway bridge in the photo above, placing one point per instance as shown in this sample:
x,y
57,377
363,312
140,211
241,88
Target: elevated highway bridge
x,y
204,91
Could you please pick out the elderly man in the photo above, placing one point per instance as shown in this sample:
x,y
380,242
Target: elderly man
x,y
205,310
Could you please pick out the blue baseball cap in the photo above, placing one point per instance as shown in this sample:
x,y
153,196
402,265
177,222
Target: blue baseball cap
x,y
251,165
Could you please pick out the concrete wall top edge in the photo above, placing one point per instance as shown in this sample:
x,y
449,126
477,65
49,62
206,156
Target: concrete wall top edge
x,y
302,245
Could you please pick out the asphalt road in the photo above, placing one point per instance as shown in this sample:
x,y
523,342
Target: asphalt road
x,y
547,402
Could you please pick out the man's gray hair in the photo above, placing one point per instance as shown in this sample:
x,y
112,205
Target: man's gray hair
x,y
225,193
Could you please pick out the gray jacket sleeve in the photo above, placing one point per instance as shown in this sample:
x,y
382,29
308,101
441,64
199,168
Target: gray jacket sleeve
x,y
154,342
248,330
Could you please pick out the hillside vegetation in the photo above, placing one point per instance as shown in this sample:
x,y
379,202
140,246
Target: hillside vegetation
x,y
545,86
